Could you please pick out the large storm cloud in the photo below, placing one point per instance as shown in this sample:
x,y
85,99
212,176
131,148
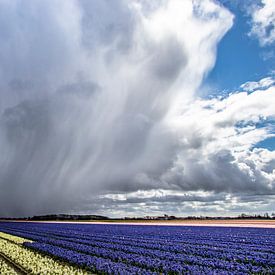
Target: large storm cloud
x,y
98,110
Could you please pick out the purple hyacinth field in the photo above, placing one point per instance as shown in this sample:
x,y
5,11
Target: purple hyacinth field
x,y
152,249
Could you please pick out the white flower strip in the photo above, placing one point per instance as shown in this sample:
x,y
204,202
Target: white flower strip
x,y
5,268
14,239
32,262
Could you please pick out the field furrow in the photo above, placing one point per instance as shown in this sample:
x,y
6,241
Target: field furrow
x,y
8,267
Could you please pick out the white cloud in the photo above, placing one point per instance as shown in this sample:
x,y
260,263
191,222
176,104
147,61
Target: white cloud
x,y
262,84
216,167
87,85
263,22
218,138
101,99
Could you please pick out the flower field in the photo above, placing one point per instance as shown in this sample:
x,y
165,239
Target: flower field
x,y
5,268
27,261
60,248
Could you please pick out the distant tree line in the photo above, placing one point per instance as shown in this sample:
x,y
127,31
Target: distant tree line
x,y
257,216
241,216
68,217
60,217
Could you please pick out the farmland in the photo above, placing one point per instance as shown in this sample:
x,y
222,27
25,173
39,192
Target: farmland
x,y
63,248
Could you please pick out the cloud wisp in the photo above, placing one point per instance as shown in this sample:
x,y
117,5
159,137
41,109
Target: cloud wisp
x,y
263,22
98,98
264,83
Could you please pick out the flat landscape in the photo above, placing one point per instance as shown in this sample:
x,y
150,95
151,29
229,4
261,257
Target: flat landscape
x,y
230,223
104,248
137,137
227,223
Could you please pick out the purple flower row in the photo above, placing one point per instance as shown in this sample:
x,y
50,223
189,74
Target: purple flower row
x,y
152,259
148,249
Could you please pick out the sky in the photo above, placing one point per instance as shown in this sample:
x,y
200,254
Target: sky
x,y
133,108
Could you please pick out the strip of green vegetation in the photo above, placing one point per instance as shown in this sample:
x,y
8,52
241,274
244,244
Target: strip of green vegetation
x,y
30,261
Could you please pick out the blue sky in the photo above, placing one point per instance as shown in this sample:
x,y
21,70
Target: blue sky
x,y
241,58
268,143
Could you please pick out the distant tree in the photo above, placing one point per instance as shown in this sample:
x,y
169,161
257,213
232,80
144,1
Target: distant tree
x,y
266,215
